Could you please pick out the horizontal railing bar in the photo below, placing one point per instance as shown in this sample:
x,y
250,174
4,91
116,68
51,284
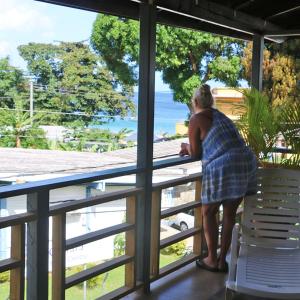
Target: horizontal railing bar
x,y
283,150
16,219
172,267
55,183
180,208
177,181
178,237
97,235
116,294
121,292
91,201
9,264
97,270
177,160
174,161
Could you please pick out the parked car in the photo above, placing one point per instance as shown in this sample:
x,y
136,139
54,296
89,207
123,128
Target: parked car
x,y
184,220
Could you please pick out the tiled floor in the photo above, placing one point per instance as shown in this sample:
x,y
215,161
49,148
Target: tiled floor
x,y
188,283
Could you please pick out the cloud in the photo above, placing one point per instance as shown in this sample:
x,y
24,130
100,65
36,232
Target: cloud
x,y
5,48
22,16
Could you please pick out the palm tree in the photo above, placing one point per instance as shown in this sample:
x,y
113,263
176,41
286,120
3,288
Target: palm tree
x,y
258,123
290,129
17,129
262,124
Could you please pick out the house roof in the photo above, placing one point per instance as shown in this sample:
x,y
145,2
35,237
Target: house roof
x,y
236,18
18,164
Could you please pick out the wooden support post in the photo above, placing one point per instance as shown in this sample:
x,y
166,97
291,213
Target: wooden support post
x,y
17,252
145,138
155,233
58,256
197,246
37,246
257,61
130,273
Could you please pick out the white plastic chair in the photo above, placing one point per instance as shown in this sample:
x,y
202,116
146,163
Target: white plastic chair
x,y
265,262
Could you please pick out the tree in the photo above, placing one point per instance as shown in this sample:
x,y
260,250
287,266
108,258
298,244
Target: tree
x,y
71,79
186,58
291,49
279,72
16,129
11,81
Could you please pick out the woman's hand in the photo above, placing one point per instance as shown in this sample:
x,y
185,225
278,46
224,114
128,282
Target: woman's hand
x,y
185,149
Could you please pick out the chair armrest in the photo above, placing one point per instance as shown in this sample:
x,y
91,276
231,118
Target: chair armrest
x,y
234,253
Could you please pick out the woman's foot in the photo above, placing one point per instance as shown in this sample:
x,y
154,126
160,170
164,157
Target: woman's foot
x,y
222,266
207,264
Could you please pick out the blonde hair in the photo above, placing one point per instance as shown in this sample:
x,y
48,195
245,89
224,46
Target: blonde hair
x,y
203,97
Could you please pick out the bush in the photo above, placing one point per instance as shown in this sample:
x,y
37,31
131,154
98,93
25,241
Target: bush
x,y
178,249
4,277
119,244
91,283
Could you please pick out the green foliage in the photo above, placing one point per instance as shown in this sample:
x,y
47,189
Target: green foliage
x,y
4,277
288,50
93,139
262,123
290,128
279,71
186,58
119,244
117,41
259,123
70,78
17,129
92,283
226,69
177,248
11,82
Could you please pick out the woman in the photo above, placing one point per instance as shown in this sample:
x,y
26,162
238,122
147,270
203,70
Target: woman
x,y
229,173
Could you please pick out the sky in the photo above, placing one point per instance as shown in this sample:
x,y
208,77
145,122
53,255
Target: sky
x,y
24,21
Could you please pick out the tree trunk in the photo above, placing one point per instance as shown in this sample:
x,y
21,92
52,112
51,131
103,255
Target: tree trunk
x,y
190,107
206,77
193,62
18,142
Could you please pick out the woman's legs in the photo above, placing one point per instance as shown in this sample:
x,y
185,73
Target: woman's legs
x,y
209,212
229,213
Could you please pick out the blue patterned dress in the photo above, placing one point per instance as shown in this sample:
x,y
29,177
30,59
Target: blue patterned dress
x,y
228,165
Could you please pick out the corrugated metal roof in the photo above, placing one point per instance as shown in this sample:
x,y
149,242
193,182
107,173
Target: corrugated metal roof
x,y
41,164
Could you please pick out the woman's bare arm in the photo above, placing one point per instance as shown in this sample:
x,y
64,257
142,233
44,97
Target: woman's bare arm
x,y
199,126
194,138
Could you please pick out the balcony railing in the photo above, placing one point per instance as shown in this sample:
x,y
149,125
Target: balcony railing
x,y
34,225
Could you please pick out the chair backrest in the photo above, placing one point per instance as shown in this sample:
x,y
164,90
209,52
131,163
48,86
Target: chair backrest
x,y
272,216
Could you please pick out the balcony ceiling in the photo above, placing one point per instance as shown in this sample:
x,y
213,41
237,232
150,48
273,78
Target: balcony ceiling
x,y
236,18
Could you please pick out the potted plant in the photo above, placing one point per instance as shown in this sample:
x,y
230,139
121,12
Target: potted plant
x,y
290,128
262,125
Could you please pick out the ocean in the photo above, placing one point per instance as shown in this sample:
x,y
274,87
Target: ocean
x,y
167,113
